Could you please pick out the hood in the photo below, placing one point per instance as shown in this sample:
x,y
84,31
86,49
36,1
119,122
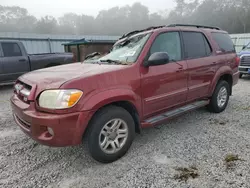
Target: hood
x,y
243,53
54,77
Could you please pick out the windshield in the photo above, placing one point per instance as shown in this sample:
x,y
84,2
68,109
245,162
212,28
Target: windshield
x,y
125,52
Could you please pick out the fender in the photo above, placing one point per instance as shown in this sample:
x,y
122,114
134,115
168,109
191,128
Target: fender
x,y
110,96
220,72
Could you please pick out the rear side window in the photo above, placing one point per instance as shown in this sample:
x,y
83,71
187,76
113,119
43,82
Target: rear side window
x,y
196,45
224,41
11,49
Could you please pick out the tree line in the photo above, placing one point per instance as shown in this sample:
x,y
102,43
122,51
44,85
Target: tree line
x,y
230,15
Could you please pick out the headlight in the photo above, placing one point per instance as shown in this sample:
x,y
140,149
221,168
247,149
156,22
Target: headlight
x,y
59,99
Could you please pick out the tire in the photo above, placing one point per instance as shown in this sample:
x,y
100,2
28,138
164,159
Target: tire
x,y
94,138
215,106
240,75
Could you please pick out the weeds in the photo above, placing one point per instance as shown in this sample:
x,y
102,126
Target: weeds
x,y
186,173
230,160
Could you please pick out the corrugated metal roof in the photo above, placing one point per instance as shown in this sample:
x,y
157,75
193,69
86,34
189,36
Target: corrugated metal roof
x,y
84,41
60,37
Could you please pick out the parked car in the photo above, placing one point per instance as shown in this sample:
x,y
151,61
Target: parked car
x,y
14,60
149,77
244,55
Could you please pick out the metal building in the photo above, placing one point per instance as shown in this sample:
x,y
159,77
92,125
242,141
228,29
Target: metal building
x,y
42,43
81,48
240,40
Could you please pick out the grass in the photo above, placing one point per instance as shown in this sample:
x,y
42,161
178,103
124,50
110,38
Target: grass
x,y
186,173
231,157
230,160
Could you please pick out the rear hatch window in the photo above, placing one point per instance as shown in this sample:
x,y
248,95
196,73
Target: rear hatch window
x,y
224,41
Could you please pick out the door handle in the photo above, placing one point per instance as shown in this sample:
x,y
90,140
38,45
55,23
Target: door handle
x,y
22,60
179,69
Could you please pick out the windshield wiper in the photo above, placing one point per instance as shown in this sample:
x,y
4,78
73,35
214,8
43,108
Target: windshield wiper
x,y
92,55
114,61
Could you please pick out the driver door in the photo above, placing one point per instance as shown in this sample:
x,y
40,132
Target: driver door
x,y
165,86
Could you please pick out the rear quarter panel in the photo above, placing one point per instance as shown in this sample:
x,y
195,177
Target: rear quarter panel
x,y
226,62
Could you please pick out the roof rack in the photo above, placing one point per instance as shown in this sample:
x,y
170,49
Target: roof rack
x,y
197,26
138,31
171,25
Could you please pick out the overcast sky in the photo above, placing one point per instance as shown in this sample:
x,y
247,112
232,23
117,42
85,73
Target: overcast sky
x,y
90,7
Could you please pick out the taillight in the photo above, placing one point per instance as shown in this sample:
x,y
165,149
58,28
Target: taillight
x,y
237,61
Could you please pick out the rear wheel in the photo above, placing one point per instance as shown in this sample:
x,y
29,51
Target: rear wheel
x,y
220,97
110,134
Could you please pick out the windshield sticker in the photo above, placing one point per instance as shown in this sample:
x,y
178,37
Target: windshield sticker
x,y
131,53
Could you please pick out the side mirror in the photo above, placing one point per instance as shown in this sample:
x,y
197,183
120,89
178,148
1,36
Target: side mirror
x,y
157,58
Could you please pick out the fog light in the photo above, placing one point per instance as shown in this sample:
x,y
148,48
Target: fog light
x,y
50,130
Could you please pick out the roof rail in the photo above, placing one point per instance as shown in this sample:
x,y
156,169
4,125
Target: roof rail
x,y
138,31
197,26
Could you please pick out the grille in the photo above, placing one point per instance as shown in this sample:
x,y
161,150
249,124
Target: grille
x,y
23,123
245,61
22,91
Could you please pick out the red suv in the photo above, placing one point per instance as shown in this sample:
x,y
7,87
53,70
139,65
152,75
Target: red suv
x,y
148,77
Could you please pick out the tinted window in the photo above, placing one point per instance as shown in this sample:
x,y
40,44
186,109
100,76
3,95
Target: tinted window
x,y
196,45
11,49
168,42
224,41
1,53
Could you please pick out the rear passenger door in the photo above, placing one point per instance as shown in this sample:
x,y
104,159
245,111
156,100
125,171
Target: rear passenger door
x,y
13,62
201,64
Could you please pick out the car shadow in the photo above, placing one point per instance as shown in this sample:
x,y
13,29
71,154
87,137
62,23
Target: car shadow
x,y
245,77
6,87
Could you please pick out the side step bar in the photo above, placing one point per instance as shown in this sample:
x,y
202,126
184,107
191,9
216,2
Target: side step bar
x,y
173,113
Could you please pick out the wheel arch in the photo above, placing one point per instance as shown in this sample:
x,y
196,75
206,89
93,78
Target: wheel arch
x,y
128,106
224,73
229,79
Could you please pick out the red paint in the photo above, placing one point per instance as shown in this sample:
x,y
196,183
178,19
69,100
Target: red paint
x,y
151,90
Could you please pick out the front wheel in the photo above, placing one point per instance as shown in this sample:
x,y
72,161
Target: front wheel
x,y
220,97
240,75
110,134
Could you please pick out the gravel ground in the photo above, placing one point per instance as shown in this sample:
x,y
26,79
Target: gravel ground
x,y
198,140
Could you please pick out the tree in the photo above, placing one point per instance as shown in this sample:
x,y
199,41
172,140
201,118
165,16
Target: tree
x,y
46,25
16,19
232,16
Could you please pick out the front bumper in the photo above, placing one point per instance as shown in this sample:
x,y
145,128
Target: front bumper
x,y
68,128
244,69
